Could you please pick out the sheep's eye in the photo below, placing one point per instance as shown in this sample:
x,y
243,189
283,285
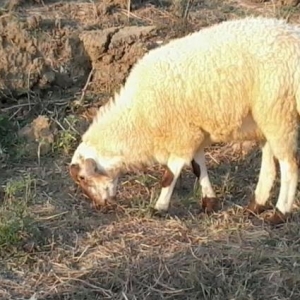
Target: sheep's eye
x,y
81,178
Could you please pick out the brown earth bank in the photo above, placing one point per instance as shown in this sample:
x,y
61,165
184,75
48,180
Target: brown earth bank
x,y
60,61
57,43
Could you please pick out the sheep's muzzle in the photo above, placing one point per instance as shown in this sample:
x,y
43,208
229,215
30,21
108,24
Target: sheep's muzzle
x,y
88,185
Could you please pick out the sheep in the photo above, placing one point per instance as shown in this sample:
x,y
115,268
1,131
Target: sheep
x,y
234,81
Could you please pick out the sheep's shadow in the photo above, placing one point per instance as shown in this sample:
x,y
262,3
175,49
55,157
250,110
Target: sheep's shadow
x,y
166,260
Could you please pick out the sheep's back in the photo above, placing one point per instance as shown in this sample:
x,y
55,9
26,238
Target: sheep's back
x,y
227,65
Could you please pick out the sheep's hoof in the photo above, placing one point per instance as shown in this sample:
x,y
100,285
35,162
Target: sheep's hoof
x,y
254,208
276,218
158,213
210,205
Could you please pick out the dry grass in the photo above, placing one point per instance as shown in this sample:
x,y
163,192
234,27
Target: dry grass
x,y
54,246
65,250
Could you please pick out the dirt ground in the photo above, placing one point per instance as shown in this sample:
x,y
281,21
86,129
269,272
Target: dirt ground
x,y
60,61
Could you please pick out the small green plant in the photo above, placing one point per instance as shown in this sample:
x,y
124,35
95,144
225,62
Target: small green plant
x,y
67,136
15,219
20,188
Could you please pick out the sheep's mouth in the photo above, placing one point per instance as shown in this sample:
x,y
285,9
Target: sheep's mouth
x,y
104,205
98,203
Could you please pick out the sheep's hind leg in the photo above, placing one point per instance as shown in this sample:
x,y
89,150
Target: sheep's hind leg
x,y
170,177
210,202
285,150
289,180
267,174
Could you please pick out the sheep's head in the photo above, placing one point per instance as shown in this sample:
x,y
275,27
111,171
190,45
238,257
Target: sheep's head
x,y
97,184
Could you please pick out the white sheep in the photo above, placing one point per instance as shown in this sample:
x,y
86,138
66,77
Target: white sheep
x,y
238,80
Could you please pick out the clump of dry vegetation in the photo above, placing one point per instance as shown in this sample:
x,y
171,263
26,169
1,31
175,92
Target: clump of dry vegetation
x,y
53,245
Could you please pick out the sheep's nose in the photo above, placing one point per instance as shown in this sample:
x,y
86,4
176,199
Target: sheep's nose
x,y
98,203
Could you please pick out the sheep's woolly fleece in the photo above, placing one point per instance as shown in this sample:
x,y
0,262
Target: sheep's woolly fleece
x,y
175,87
237,80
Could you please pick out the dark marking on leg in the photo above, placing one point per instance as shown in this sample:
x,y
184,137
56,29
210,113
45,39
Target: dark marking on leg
x,y
210,205
196,168
167,178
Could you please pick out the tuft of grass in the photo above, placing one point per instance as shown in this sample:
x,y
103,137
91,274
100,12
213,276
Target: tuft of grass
x,y
16,221
67,136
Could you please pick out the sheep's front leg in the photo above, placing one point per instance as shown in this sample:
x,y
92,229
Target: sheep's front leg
x,y
170,177
210,202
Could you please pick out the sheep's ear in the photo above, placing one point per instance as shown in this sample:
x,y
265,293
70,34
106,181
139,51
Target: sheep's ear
x,y
89,167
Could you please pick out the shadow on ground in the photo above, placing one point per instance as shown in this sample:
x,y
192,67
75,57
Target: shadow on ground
x,y
66,250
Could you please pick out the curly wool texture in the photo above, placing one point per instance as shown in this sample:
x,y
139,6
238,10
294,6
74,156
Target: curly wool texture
x,y
238,80
214,85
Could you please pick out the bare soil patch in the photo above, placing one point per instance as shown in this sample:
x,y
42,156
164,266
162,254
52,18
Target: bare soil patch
x,y
60,60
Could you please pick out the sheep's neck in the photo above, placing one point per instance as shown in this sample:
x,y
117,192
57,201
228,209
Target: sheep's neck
x,y
122,137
